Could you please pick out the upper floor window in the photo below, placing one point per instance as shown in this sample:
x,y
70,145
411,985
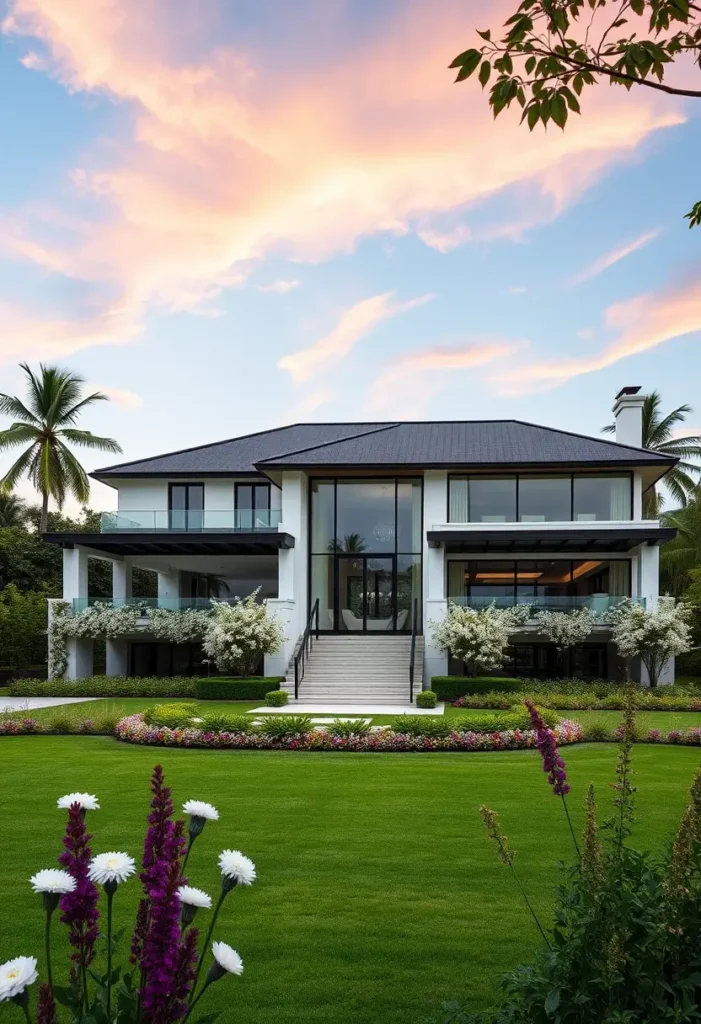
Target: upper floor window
x,y
252,503
186,506
530,498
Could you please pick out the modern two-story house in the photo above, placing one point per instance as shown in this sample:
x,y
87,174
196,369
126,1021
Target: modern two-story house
x,y
375,528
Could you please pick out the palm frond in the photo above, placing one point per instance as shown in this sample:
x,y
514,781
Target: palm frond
x,y
71,415
681,446
87,439
76,478
18,433
610,428
11,406
20,467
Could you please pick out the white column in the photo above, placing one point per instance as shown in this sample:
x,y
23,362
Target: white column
x,y
434,570
292,562
116,651
75,585
637,496
169,587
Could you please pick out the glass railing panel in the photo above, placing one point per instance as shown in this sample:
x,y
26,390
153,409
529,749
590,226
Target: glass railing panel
x,y
598,603
189,520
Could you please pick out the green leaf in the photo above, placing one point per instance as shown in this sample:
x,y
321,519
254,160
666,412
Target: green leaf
x,y
558,110
485,35
552,1001
469,66
530,64
485,72
467,56
533,115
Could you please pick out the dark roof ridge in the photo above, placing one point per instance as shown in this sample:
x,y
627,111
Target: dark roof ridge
x,y
326,444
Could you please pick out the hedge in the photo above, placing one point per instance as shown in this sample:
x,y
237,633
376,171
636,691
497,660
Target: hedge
x,y
689,664
221,688
452,687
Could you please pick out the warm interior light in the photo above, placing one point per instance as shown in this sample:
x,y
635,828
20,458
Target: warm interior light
x,y
585,567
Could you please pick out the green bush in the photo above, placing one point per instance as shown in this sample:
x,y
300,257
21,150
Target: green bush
x,y
452,687
171,716
516,717
426,699
285,727
226,722
231,688
276,698
105,686
597,732
345,730
419,725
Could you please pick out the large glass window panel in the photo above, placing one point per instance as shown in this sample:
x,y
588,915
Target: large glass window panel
x,y
365,515
458,577
379,594
545,583
322,588
408,590
492,499
351,593
602,498
604,579
458,511
544,499
492,581
322,516
409,497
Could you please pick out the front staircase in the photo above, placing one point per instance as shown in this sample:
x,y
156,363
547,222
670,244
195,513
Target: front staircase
x,y
360,669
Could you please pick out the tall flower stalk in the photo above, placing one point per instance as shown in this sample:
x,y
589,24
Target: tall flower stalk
x,y
79,907
624,789
552,764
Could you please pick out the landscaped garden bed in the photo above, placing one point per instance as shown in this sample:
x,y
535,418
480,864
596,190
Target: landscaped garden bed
x,y
562,694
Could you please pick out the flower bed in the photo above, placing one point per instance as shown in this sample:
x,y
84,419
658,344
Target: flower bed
x,y
134,729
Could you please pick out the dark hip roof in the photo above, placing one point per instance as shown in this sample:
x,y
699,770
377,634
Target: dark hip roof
x,y
416,444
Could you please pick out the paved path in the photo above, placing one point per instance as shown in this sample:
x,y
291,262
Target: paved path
x,y
32,703
300,708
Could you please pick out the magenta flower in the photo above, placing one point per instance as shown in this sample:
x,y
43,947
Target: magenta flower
x,y
547,745
79,907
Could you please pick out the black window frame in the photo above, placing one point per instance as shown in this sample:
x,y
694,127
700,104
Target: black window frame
x,y
187,484
531,474
513,563
253,507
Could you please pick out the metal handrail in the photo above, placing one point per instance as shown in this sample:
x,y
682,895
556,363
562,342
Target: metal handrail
x,y
305,648
412,651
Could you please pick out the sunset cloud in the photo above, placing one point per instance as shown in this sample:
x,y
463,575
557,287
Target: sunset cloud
x,y
353,324
279,287
614,256
127,399
641,324
411,381
231,157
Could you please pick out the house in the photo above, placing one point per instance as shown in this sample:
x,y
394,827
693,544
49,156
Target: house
x,y
375,528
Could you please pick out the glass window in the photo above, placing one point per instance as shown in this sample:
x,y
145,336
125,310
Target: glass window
x,y
492,581
544,499
602,498
322,516
408,590
322,588
492,499
458,577
606,579
545,583
365,515
409,498
457,500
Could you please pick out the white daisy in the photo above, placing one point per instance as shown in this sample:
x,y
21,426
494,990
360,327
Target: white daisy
x,y
194,897
16,975
227,958
200,809
86,800
111,867
52,880
237,867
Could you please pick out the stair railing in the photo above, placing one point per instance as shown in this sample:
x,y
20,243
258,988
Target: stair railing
x,y
311,633
412,651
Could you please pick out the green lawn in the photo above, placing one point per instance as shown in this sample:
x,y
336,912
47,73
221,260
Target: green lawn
x,y
378,894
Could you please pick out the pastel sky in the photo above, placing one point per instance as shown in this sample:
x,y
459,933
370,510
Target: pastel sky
x,y
234,214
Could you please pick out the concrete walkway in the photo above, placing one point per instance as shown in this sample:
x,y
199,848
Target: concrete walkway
x,y
336,710
32,703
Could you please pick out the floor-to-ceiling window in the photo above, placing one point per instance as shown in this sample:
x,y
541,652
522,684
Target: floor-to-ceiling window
x,y
546,583
365,560
540,498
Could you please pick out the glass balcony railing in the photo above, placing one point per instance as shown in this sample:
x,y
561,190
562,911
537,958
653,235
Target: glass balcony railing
x,y
192,521
597,603
173,604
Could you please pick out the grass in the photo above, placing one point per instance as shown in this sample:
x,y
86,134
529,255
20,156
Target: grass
x,y
378,894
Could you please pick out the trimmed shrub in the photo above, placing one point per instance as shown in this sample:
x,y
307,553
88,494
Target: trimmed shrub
x,y
452,687
345,729
276,698
171,716
223,722
283,727
417,725
516,717
597,732
222,688
426,699
105,686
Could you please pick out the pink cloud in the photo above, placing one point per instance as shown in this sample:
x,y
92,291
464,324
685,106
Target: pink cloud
x,y
279,287
353,324
614,256
127,399
231,159
411,381
641,324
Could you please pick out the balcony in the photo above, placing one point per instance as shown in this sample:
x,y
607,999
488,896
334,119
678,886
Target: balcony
x,y
597,603
171,521
172,604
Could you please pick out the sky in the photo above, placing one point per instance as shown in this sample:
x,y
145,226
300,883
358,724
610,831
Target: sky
x,y
229,215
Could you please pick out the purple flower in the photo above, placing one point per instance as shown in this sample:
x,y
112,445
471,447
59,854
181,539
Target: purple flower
x,y
547,745
46,1007
79,908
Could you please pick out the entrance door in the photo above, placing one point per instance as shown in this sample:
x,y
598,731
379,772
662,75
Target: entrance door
x,y
366,594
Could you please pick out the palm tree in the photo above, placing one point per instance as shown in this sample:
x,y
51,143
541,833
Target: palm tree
x,y
683,480
45,424
683,554
13,510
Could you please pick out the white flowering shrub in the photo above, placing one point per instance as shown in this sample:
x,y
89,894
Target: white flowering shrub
x,y
238,634
652,634
566,629
179,627
478,636
100,619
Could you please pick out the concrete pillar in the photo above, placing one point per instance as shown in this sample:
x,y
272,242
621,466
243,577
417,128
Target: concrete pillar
x,y
121,579
434,572
637,496
117,650
169,588
292,562
284,611
75,586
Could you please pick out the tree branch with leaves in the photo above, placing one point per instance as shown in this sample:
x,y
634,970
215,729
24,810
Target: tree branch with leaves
x,y
553,50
